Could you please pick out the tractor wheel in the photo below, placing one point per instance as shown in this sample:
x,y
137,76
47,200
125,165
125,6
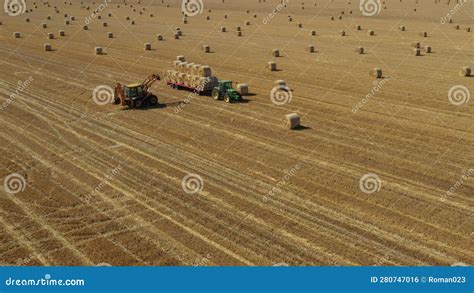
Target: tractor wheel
x,y
138,103
227,99
215,95
153,100
131,104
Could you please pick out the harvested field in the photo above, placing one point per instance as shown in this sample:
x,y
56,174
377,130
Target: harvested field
x,y
380,172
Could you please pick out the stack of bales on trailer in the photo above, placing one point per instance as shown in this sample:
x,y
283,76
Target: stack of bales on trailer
x,y
190,75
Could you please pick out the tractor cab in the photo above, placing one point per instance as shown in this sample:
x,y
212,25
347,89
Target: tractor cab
x,y
225,85
224,90
134,91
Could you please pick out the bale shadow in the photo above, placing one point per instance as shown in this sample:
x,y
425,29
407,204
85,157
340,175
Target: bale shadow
x,y
301,128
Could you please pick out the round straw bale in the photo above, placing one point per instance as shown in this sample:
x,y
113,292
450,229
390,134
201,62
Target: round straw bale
x,y
62,33
243,89
47,47
276,53
376,72
417,51
16,35
181,58
159,37
272,66
428,49
98,51
147,46
360,50
292,121
280,83
206,48
50,36
310,48
371,33
110,35
465,71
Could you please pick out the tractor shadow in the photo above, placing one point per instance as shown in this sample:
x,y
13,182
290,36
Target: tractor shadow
x,y
148,107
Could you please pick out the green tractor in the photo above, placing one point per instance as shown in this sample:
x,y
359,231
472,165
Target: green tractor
x,y
224,90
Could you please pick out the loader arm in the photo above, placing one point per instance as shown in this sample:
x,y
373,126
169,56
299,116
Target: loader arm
x,y
150,81
119,95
